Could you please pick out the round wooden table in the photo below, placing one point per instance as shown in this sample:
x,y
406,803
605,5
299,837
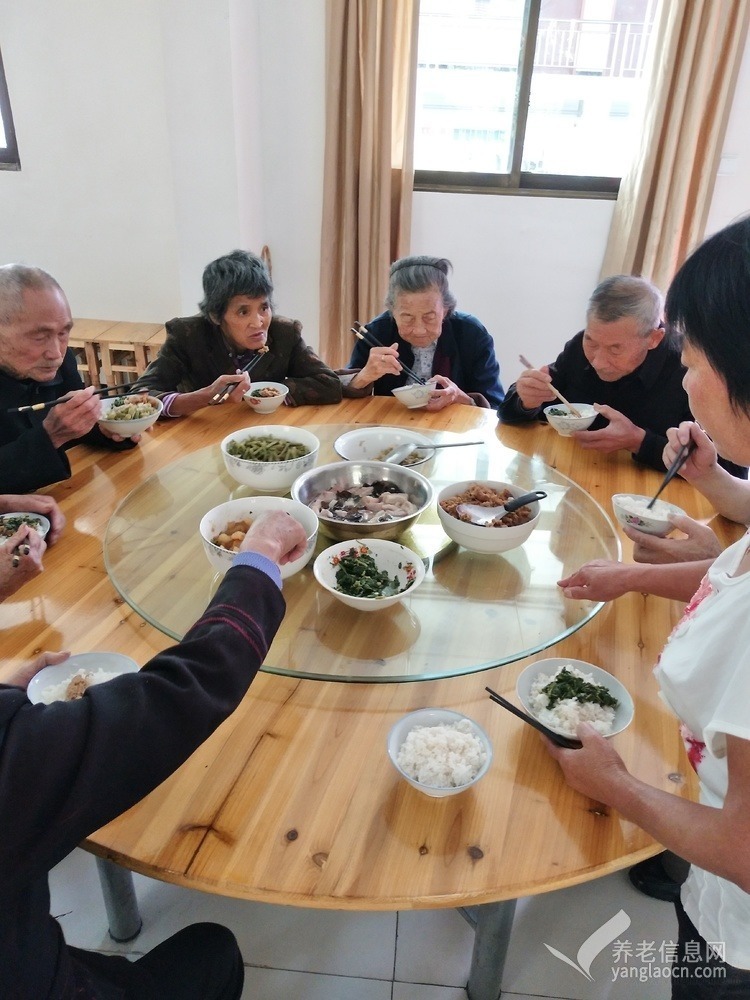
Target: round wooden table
x,y
293,799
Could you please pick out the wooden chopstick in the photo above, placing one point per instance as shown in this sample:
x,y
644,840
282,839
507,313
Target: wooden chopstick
x,y
679,460
374,342
228,389
64,399
558,738
573,410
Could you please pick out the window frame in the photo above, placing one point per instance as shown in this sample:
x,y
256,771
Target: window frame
x,y
518,181
9,158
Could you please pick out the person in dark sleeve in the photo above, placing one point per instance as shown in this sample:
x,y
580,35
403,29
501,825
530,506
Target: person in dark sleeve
x,y
70,767
422,328
624,362
203,354
37,366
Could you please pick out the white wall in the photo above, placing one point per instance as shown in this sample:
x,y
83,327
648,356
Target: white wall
x,y
157,134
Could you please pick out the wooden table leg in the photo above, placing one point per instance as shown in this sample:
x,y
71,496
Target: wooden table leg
x,y
120,902
492,923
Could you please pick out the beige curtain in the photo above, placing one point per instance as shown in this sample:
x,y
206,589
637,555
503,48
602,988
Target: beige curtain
x,y
370,88
664,200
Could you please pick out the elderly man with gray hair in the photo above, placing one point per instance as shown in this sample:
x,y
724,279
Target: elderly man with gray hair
x,y
625,363
36,366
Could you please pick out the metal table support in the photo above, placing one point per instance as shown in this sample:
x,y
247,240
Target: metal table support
x,y
120,902
492,923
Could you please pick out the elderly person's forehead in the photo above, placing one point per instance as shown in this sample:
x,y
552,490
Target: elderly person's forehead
x,y
21,286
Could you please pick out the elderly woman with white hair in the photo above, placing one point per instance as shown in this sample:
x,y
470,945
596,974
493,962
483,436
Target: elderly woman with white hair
x,y
422,330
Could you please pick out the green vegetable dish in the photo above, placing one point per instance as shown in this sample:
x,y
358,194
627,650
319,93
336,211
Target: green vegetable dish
x,y
358,575
266,449
567,685
130,408
10,525
558,411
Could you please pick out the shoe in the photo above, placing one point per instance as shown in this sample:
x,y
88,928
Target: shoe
x,y
650,878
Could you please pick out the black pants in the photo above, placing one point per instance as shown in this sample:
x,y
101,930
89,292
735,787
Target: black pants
x,y
699,975
200,962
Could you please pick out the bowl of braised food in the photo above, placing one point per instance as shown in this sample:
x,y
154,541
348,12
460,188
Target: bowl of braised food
x,y
501,533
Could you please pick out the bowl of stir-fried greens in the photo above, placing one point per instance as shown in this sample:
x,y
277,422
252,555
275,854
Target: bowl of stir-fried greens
x,y
10,523
129,415
369,575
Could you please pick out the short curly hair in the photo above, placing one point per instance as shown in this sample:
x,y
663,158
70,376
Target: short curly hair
x,y
237,273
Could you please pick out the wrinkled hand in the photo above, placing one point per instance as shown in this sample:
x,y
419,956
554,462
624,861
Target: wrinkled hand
x,y
703,459
23,675
619,433
277,535
380,361
74,418
595,769
701,543
241,381
533,386
36,503
598,580
445,393
27,565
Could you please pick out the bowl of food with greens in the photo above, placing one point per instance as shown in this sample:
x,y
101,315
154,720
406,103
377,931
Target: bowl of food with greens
x,y
369,575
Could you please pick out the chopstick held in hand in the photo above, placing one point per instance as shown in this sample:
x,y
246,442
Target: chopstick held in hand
x,y
679,460
362,333
576,413
558,738
221,395
115,389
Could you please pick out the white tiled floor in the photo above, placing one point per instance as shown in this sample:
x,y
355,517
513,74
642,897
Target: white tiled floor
x,y
295,954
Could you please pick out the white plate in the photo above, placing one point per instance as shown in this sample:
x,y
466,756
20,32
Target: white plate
x,y
111,662
624,711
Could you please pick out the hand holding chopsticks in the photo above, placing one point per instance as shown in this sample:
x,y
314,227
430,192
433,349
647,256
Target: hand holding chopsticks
x,y
679,460
229,388
105,392
362,333
527,364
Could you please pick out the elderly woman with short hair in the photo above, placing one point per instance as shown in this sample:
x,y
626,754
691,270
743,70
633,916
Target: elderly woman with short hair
x,y
422,329
203,354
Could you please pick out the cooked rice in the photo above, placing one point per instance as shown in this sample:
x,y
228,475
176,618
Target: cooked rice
x,y
566,714
56,692
444,756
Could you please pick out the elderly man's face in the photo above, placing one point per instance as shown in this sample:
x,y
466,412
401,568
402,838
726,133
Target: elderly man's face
x,y
33,343
616,349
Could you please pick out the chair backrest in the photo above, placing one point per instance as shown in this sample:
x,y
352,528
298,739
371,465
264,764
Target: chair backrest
x,y
265,256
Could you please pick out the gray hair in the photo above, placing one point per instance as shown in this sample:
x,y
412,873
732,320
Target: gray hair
x,y
236,273
417,274
624,295
15,279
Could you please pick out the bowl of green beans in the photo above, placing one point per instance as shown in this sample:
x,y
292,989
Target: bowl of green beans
x,y
369,575
269,458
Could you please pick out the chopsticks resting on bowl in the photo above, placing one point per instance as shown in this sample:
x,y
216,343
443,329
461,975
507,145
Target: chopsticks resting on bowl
x,y
679,460
558,738
576,413
222,394
64,399
362,333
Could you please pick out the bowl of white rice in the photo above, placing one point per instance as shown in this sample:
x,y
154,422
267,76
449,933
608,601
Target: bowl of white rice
x,y
439,752
561,692
633,510
67,680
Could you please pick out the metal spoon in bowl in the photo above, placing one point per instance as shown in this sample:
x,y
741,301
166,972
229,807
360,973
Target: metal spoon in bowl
x,y
486,515
398,454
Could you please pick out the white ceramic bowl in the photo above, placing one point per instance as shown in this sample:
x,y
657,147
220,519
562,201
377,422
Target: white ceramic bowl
x,y
128,428
624,711
344,475
396,560
115,663
42,524
630,509
435,717
266,404
270,477
216,520
413,397
486,539
370,444
565,423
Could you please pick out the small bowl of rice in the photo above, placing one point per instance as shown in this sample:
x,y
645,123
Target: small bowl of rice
x,y
633,510
69,680
439,752
562,692
566,423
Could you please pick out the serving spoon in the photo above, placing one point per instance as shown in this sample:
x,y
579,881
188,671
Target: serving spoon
x,y
483,516
397,455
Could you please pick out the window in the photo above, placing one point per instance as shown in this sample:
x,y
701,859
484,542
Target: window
x,y
8,148
529,94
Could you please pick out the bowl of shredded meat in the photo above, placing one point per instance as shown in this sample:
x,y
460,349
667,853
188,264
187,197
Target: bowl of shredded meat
x,y
363,499
505,533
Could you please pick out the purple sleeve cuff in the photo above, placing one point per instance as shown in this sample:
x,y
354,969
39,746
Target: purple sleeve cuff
x,y
167,404
257,561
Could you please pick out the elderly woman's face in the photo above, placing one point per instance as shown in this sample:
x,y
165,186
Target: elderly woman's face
x,y
709,403
419,316
245,322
